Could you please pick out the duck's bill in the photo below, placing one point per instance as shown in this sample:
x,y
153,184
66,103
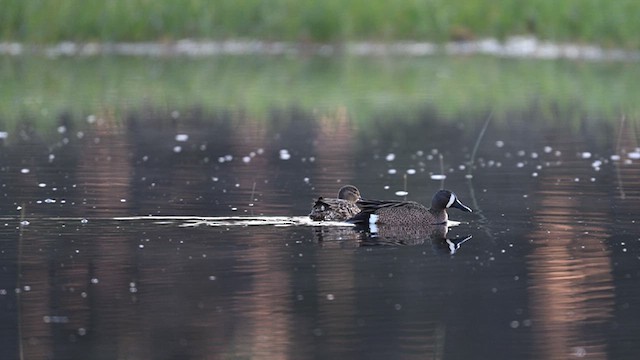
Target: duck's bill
x,y
458,205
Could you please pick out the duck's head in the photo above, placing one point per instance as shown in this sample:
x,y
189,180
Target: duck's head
x,y
349,193
445,199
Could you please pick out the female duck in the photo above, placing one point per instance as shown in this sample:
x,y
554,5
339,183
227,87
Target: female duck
x,y
408,213
340,209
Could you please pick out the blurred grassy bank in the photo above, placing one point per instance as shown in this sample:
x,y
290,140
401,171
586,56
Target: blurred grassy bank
x,y
40,89
608,23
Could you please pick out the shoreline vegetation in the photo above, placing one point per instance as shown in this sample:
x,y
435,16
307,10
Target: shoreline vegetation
x,y
41,88
369,57
608,24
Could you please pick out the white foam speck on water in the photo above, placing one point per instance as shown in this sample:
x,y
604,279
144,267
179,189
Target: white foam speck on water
x,y
51,319
438,177
386,187
411,171
246,159
548,149
177,149
392,171
635,155
615,157
41,185
182,137
390,157
284,154
402,193
585,155
499,143
4,134
25,171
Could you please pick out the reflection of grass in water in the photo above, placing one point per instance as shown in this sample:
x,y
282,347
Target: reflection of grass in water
x,y
38,88
604,22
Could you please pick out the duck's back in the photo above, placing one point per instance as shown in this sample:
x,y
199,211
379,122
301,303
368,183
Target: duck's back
x,y
395,212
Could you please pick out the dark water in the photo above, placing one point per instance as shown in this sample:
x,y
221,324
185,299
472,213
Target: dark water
x,y
549,269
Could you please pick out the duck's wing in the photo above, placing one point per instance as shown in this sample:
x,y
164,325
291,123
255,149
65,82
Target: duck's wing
x,y
327,202
369,207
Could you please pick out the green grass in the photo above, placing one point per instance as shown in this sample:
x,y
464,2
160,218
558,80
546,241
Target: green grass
x,y
609,23
40,89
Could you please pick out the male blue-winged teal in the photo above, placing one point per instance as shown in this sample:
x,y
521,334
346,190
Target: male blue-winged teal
x,y
340,209
408,213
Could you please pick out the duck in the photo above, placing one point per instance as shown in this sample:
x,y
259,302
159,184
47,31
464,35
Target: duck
x,y
337,209
407,213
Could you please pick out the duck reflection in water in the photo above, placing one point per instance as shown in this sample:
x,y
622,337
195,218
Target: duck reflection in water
x,y
402,235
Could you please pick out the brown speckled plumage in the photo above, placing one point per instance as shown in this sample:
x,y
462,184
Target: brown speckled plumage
x,y
337,209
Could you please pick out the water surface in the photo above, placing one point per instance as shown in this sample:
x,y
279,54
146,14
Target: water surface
x,y
122,235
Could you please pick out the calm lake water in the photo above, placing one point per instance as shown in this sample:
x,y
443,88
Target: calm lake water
x,y
124,235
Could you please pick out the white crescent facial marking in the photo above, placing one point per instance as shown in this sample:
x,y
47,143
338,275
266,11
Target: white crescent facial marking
x,y
452,199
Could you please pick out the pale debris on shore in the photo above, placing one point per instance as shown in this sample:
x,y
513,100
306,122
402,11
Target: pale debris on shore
x,y
513,47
